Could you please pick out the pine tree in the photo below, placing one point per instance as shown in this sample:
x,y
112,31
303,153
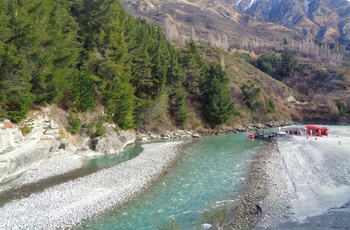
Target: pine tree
x,y
177,96
160,59
103,37
18,42
217,106
177,106
58,53
251,95
83,94
288,64
194,66
140,60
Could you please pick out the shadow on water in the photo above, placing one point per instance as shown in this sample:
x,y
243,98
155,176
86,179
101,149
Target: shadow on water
x,y
90,166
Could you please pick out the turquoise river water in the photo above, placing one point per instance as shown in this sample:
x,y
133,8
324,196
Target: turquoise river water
x,y
211,171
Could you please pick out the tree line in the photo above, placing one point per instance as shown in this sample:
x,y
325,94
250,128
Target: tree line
x,y
86,53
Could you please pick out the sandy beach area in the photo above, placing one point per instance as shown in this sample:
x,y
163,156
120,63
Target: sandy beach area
x,y
300,182
66,205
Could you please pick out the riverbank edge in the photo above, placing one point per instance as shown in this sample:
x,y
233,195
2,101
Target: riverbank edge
x,y
14,213
266,187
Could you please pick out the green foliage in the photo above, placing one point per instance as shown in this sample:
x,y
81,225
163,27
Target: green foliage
x,y
150,56
74,123
177,106
26,129
87,128
100,130
217,106
288,64
83,95
251,95
266,63
177,96
119,100
194,67
341,107
176,73
270,105
85,53
142,105
39,47
244,56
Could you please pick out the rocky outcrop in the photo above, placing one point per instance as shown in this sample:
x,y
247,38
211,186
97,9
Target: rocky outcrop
x,y
168,135
9,136
112,142
43,138
18,152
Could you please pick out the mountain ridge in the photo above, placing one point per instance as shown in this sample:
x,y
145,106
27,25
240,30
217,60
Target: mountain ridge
x,y
324,20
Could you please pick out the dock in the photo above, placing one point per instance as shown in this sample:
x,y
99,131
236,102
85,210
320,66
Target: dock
x,y
261,133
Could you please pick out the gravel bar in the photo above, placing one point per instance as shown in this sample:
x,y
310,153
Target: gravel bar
x,y
66,205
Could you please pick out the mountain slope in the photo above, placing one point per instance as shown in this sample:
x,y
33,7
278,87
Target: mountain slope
x,y
326,20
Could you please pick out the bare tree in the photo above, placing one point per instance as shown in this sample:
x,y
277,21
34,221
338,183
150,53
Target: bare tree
x,y
171,32
193,34
222,61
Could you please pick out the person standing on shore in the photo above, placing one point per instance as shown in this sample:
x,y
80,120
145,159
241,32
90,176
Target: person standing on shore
x,y
258,209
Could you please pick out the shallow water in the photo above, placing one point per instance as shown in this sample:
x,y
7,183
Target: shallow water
x,y
14,190
210,172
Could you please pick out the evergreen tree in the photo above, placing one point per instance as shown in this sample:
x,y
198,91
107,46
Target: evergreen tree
x,y
38,54
341,107
102,35
57,52
120,103
217,106
177,106
266,63
83,94
288,64
141,63
160,59
194,66
176,74
251,95
18,41
177,96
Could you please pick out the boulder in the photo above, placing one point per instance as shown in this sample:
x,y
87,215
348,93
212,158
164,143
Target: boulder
x,y
114,142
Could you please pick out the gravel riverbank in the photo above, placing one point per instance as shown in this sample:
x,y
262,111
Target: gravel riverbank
x,y
68,204
54,166
266,186
300,182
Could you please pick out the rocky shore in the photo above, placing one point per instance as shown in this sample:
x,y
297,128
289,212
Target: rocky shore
x,y
300,182
266,186
66,205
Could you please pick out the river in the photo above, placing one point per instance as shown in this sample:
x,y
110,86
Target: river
x,y
211,171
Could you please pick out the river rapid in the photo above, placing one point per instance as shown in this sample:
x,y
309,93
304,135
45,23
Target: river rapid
x,y
211,171
107,194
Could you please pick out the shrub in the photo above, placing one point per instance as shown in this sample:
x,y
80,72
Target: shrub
x,y
26,129
74,124
341,107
